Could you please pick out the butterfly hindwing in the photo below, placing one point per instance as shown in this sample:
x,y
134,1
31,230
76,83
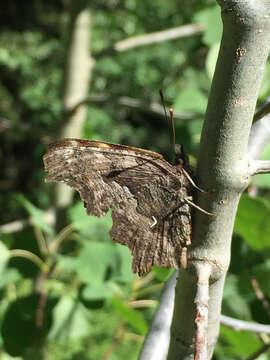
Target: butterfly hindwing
x,y
146,193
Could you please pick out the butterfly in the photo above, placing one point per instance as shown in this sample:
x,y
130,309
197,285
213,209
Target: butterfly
x,y
149,197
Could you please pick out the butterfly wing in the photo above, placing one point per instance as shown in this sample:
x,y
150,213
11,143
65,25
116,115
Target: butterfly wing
x,y
146,193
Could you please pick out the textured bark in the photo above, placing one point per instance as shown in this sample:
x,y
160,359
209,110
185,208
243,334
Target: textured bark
x,y
223,167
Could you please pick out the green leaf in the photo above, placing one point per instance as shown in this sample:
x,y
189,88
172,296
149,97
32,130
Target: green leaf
x,y
210,17
67,264
9,276
129,315
19,323
94,260
162,274
123,270
90,227
234,303
70,320
252,221
191,99
37,215
99,291
242,343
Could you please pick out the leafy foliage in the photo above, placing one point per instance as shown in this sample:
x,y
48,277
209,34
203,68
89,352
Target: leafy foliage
x,y
80,301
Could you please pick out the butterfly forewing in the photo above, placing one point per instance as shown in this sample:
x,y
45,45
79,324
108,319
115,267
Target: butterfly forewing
x,y
147,195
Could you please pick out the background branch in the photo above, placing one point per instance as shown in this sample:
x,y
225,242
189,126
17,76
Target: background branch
x,y
131,103
239,325
77,77
159,36
153,38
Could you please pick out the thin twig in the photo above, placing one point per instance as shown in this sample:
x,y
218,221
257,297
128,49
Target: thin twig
x,y
152,38
131,103
201,301
143,303
42,244
259,167
259,137
259,294
42,300
60,238
159,36
265,110
157,340
112,347
30,256
239,325
18,225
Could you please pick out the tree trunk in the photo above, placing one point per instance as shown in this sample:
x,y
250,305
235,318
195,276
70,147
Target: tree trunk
x,y
223,171
77,78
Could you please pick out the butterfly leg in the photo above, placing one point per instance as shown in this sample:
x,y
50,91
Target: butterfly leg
x,y
192,182
188,200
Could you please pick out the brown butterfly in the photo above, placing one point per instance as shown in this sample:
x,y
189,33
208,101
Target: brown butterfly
x,y
150,197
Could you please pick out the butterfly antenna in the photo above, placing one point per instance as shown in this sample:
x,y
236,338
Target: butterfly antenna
x,y
173,125
163,104
167,120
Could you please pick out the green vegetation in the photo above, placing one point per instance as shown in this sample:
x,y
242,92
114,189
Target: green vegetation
x,y
67,291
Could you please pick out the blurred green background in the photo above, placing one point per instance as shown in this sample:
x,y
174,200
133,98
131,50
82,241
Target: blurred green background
x,y
66,290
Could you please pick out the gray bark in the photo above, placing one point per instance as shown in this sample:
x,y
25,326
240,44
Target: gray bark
x,y
223,166
77,78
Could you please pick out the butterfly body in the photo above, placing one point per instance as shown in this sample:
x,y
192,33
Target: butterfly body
x,y
147,194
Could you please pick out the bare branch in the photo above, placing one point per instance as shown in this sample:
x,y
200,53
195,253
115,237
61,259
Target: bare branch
x,y
14,226
259,167
156,343
18,225
77,76
131,103
259,137
265,110
239,325
201,301
159,36
260,295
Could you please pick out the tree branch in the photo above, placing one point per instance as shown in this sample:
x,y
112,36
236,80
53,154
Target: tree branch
x,y
153,38
265,110
18,225
201,320
259,137
157,340
131,103
159,36
259,167
223,163
77,77
239,325
156,343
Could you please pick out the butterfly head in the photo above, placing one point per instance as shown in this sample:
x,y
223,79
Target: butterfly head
x,y
181,157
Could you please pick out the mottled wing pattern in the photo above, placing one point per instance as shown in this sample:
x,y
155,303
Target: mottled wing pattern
x,y
146,193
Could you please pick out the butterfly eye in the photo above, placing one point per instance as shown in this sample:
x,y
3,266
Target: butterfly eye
x,y
113,174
